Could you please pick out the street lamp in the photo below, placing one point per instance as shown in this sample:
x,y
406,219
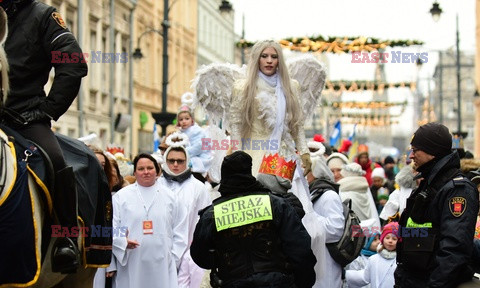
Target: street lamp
x,y
436,11
226,6
163,118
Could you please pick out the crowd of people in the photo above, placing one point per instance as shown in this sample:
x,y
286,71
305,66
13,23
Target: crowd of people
x,y
252,226
193,232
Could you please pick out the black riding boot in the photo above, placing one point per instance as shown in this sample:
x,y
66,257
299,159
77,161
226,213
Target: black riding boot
x,y
65,254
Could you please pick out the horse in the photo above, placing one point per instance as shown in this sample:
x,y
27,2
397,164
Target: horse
x,y
26,208
19,166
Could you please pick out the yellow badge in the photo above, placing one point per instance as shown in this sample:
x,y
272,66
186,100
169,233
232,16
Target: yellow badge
x,y
457,206
58,18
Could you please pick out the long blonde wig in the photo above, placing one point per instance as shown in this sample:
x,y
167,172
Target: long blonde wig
x,y
293,113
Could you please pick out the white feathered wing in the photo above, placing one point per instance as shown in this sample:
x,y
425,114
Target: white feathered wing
x,y
311,75
213,88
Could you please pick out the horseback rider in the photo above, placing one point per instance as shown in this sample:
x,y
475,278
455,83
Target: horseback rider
x,y
38,40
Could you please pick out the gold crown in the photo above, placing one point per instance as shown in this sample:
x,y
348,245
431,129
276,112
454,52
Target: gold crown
x,y
277,165
114,150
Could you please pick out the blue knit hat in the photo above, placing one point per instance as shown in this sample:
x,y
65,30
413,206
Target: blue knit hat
x,y
366,248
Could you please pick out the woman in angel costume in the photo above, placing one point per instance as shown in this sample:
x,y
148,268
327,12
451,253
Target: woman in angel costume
x,y
264,109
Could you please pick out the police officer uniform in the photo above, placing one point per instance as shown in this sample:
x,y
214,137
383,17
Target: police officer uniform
x,y
39,40
249,237
438,223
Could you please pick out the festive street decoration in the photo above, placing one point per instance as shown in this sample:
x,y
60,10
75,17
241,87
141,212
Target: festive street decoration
x,y
368,120
320,44
353,86
366,105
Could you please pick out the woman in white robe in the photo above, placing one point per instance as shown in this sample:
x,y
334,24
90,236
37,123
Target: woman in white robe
x,y
266,114
155,229
191,193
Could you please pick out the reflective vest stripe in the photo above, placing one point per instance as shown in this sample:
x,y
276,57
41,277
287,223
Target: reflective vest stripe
x,y
412,224
242,211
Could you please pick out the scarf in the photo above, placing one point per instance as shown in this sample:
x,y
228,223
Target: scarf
x,y
178,178
385,253
273,81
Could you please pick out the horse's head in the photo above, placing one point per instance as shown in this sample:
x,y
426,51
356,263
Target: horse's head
x,y
3,58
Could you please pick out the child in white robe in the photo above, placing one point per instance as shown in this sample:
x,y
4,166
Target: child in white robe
x,y
199,146
381,266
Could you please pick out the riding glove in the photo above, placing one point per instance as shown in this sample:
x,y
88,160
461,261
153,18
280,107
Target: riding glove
x,y
35,115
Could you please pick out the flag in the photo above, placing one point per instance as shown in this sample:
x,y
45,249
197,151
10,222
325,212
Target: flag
x,y
336,134
354,132
156,139
353,150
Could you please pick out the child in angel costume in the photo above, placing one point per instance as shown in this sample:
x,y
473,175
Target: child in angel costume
x,y
200,159
264,106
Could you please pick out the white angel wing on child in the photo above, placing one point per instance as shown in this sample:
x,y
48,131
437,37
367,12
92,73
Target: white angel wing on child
x,y
213,89
311,75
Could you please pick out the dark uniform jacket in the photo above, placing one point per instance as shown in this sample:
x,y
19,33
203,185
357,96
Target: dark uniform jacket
x,y
31,42
438,226
261,254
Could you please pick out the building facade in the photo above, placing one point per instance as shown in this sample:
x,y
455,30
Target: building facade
x,y
444,96
216,37
119,87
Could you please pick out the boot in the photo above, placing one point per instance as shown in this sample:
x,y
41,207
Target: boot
x,y
65,254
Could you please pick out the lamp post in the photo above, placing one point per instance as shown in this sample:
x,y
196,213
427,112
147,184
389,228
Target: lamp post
x,y
163,118
436,11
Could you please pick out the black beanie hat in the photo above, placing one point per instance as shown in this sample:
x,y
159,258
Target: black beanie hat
x,y
389,160
434,139
238,162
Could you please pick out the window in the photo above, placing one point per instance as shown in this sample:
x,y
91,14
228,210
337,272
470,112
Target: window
x,y
104,67
92,70
145,141
92,101
70,21
71,133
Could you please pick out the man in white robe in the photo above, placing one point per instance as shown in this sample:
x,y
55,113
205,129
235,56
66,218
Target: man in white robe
x,y
191,193
150,230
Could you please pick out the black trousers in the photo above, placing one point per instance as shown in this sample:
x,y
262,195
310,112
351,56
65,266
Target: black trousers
x,y
42,134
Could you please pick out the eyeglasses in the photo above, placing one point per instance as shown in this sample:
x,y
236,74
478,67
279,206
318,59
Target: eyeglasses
x,y
414,150
172,161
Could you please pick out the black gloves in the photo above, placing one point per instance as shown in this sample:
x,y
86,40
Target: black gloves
x,y
35,115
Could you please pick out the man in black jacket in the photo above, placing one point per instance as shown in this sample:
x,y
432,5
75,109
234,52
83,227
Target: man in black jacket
x,y
38,40
249,237
438,223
